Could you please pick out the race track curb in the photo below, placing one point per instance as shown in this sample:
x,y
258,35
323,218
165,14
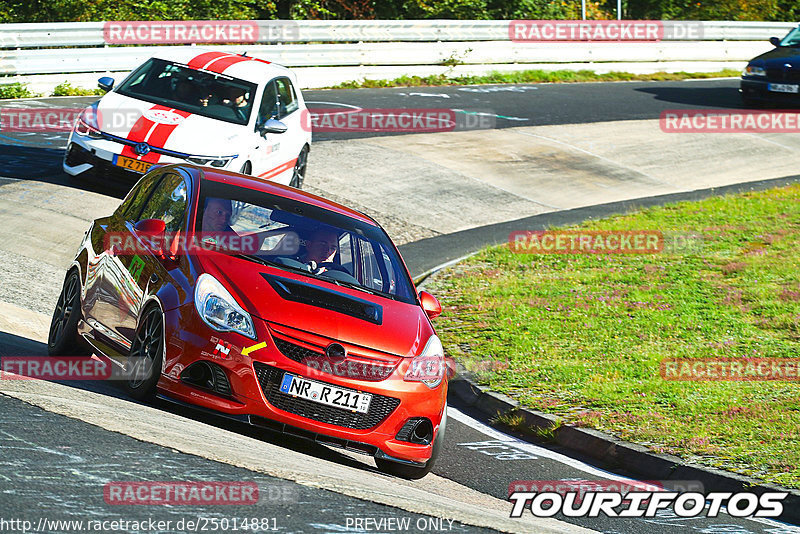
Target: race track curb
x,y
430,255
426,256
612,451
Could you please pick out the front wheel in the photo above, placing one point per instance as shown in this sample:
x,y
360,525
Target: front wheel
x,y
409,471
299,173
63,338
147,352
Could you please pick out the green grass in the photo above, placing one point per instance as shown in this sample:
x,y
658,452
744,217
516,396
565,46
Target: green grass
x,y
16,90
533,76
67,89
582,336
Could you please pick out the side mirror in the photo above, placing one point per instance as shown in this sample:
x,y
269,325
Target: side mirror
x,y
152,231
775,41
271,126
430,304
106,83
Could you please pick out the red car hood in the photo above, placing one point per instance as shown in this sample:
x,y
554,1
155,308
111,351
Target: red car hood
x,y
403,330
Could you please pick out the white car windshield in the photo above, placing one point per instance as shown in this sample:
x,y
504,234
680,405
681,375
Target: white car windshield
x,y
203,93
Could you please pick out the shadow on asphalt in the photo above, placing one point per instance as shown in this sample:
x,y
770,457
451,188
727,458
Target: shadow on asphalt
x,y
696,97
12,345
44,165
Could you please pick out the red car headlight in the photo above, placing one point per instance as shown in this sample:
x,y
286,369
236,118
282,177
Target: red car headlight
x,y
429,367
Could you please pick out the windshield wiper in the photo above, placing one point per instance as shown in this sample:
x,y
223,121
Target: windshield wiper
x,y
263,261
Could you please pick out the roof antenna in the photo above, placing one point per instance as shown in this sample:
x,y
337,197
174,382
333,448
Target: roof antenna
x,y
244,54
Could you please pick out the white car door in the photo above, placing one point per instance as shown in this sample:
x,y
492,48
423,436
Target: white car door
x,y
290,114
269,157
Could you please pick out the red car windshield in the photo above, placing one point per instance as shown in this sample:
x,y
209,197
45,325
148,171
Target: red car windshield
x,y
204,93
302,238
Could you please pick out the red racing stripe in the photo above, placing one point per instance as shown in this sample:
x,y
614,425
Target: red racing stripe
x,y
138,132
223,63
204,59
277,170
161,134
155,134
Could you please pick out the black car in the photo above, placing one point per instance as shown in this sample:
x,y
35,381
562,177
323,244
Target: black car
x,y
774,77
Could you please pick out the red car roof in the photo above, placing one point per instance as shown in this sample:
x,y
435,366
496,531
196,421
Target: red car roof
x,y
256,184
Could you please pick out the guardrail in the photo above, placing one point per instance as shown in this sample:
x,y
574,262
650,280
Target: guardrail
x,y
76,60
83,47
63,34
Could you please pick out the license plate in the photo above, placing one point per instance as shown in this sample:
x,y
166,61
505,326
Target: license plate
x,y
782,87
131,164
325,394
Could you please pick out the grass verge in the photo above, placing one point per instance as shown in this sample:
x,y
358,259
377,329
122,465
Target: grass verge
x,y
582,336
21,90
533,76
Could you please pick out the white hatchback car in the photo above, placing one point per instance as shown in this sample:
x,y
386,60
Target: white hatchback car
x,y
215,109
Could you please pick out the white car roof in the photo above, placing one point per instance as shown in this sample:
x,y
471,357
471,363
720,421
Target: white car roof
x,y
249,68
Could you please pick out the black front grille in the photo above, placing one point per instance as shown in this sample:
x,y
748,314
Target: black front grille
x,y
783,75
269,378
358,370
295,352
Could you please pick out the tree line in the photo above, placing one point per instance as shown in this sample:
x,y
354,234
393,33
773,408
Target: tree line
x,y
97,10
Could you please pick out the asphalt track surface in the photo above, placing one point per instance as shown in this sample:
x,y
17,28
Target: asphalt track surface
x,y
52,466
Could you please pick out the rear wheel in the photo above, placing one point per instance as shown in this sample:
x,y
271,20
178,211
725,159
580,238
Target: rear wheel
x,y
63,338
299,173
409,471
146,356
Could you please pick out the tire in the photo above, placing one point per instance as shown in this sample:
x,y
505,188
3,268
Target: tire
x,y
299,173
408,471
63,338
247,168
146,356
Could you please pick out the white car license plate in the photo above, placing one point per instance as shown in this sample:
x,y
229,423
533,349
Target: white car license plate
x,y
783,87
325,394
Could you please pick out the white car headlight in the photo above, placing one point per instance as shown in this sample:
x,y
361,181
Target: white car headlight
x,y
219,309
214,162
750,70
429,367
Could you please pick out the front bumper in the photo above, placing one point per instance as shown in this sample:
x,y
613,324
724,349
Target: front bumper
x,y
254,397
756,90
86,153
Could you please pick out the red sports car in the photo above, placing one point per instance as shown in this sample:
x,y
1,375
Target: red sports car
x,y
266,304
